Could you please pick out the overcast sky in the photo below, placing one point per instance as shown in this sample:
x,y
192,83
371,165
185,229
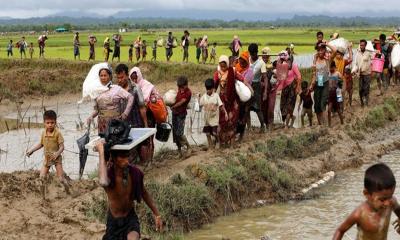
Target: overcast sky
x,y
41,8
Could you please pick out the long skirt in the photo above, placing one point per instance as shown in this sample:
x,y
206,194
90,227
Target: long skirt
x,y
228,126
288,100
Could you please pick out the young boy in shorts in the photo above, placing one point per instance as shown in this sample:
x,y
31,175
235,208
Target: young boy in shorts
x,y
306,100
53,143
212,104
348,82
373,216
179,112
123,184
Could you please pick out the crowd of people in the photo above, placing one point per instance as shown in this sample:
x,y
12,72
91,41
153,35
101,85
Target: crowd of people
x,y
226,113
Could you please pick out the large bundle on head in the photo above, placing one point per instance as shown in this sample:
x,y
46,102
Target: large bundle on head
x,y
92,86
395,56
160,42
170,97
341,44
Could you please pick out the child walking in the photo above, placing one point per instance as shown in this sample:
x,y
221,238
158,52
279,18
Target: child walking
x,y
10,49
333,104
306,100
348,81
372,217
213,53
212,104
31,50
179,113
53,143
144,50
154,48
130,53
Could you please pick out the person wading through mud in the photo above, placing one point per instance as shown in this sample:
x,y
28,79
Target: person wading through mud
x,y
123,184
108,103
258,83
53,143
320,78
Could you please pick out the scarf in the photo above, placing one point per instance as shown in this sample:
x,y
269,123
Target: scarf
x,y
144,85
245,56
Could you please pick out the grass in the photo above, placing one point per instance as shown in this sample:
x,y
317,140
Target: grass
x,y
60,45
376,118
295,147
96,209
183,205
52,77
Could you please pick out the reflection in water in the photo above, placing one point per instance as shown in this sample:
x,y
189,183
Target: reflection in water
x,y
314,219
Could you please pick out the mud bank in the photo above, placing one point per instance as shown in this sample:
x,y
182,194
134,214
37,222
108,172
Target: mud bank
x,y
266,168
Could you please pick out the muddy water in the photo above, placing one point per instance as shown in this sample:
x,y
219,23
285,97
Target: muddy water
x,y
314,219
14,144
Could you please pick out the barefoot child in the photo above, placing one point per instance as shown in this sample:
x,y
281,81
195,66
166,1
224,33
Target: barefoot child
x,y
154,48
31,50
123,184
348,81
373,216
212,104
130,53
53,143
306,100
213,54
333,105
179,113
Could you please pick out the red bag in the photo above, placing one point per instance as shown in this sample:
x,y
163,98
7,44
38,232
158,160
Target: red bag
x,y
159,110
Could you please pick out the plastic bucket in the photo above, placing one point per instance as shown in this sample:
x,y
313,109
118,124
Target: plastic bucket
x,y
377,64
163,132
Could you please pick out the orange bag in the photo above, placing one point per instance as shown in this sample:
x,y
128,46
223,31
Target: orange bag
x,y
159,110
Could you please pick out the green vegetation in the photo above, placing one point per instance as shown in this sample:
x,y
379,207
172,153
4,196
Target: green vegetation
x,y
376,118
294,147
52,77
96,209
60,45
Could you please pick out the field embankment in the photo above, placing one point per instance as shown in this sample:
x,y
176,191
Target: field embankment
x,y
271,167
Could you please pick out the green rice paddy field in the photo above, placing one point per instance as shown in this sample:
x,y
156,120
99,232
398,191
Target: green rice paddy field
x,y
60,45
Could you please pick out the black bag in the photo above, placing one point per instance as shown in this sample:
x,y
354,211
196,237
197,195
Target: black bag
x,y
117,132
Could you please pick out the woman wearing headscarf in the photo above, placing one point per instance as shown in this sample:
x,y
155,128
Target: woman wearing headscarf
x,y
107,50
235,46
204,48
225,78
137,45
146,148
109,102
290,87
243,68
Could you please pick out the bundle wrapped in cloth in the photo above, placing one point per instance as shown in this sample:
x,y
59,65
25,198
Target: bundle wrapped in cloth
x,y
92,86
395,56
341,44
170,97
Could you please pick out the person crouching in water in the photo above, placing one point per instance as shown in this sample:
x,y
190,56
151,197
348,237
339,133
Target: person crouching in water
x,y
53,143
179,113
123,184
373,216
212,104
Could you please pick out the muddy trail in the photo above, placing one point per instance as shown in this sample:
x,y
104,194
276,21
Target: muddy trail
x,y
265,168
